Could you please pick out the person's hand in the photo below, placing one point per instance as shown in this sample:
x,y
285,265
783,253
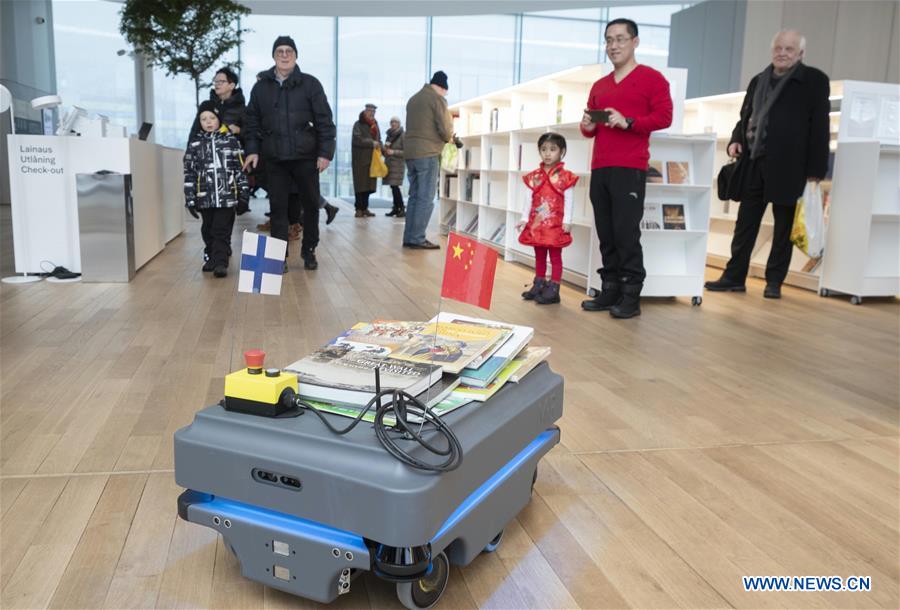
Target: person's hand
x,y
250,161
567,227
616,119
587,123
234,129
814,179
735,149
388,152
322,164
520,225
193,211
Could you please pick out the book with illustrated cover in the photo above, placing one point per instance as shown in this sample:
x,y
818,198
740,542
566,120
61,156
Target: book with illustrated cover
x,y
652,219
344,371
444,406
678,172
482,394
655,172
673,216
483,374
450,346
531,356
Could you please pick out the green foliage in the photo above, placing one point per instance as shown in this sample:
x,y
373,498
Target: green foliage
x,y
183,36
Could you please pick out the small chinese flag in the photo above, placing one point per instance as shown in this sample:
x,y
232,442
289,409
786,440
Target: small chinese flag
x,y
469,271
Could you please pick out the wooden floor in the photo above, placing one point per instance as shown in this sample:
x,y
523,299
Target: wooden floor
x,y
699,444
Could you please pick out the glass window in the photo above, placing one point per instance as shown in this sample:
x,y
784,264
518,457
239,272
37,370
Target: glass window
x,y
476,52
574,13
654,47
90,73
551,45
652,14
380,61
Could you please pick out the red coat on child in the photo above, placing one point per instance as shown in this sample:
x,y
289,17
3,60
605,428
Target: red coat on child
x,y
545,220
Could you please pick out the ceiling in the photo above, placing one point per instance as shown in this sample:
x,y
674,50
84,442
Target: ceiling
x,y
419,8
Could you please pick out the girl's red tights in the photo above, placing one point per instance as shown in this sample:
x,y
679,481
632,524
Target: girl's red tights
x,y
540,263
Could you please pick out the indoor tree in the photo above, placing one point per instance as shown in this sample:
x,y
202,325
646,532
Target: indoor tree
x,y
183,36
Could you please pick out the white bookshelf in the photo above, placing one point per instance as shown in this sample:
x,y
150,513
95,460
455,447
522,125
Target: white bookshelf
x,y
500,132
862,243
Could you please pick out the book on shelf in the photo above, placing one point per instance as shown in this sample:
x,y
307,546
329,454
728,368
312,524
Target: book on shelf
x,y
559,108
678,172
446,186
476,189
487,194
482,375
531,356
495,119
344,371
519,159
450,219
674,217
655,172
652,219
467,158
472,186
499,234
472,227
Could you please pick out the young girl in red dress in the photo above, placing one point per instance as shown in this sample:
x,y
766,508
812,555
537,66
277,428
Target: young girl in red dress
x,y
546,222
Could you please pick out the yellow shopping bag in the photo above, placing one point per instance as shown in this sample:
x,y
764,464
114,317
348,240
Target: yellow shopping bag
x,y
378,168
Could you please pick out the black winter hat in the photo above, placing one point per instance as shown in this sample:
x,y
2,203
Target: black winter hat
x,y
440,79
207,106
282,41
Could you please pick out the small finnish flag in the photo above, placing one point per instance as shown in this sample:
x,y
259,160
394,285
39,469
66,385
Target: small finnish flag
x,y
262,264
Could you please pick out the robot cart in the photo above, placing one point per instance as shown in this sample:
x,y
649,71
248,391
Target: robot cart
x,y
306,511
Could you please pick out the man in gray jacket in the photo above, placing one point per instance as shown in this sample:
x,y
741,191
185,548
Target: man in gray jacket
x,y
428,127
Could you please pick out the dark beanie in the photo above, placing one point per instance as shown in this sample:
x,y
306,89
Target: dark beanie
x,y
440,79
282,41
207,106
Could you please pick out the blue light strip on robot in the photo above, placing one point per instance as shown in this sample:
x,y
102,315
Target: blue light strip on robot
x,y
288,524
488,487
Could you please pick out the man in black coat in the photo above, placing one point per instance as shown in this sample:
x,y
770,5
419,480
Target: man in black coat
x,y
782,141
289,123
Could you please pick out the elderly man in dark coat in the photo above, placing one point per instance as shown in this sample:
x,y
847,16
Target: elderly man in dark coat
x,y
365,137
782,139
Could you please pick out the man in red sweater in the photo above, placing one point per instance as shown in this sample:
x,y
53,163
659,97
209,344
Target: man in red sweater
x,y
638,101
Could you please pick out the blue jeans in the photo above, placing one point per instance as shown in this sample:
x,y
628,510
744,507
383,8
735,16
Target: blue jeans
x,y
423,177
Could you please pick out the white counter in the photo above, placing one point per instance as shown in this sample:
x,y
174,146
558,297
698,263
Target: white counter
x,y
44,204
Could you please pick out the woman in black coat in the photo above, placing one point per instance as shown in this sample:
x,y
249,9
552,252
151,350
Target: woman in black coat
x,y
229,102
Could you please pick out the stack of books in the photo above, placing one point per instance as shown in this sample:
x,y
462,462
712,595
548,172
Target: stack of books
x,y
446,363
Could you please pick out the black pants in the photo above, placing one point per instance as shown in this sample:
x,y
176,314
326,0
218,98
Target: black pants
x,y
750,214
362,200
617,195
398,197
216,232
300,176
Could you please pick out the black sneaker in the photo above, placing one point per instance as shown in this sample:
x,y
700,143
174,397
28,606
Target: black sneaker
x,y
220,271
725,285
425,245
772,291
310,262
208,266
330,212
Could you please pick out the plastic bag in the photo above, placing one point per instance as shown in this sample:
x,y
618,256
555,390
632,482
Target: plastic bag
x,y
450,158
378,168
808,232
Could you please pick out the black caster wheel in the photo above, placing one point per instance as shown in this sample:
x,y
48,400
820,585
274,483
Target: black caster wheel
x,y
426,591
493,544
823,292
696,301
854,300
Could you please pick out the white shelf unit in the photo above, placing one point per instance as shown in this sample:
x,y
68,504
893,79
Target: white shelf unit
x,y
862,256
500,132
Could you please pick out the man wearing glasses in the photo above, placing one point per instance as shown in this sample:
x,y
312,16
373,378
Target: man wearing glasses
x,y
635,101
289,122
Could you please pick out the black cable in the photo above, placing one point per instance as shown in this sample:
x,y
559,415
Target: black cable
x,y
400,402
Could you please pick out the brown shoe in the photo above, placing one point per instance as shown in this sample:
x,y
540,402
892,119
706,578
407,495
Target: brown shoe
x,y
266,226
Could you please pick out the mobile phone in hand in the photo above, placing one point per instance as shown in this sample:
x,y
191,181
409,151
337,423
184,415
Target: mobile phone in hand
x,y
598,116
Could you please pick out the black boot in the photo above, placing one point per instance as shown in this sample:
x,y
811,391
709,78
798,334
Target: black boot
x,y
535,289
630,303
610,293
723,284
309,261
401,211
330,212
549,294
